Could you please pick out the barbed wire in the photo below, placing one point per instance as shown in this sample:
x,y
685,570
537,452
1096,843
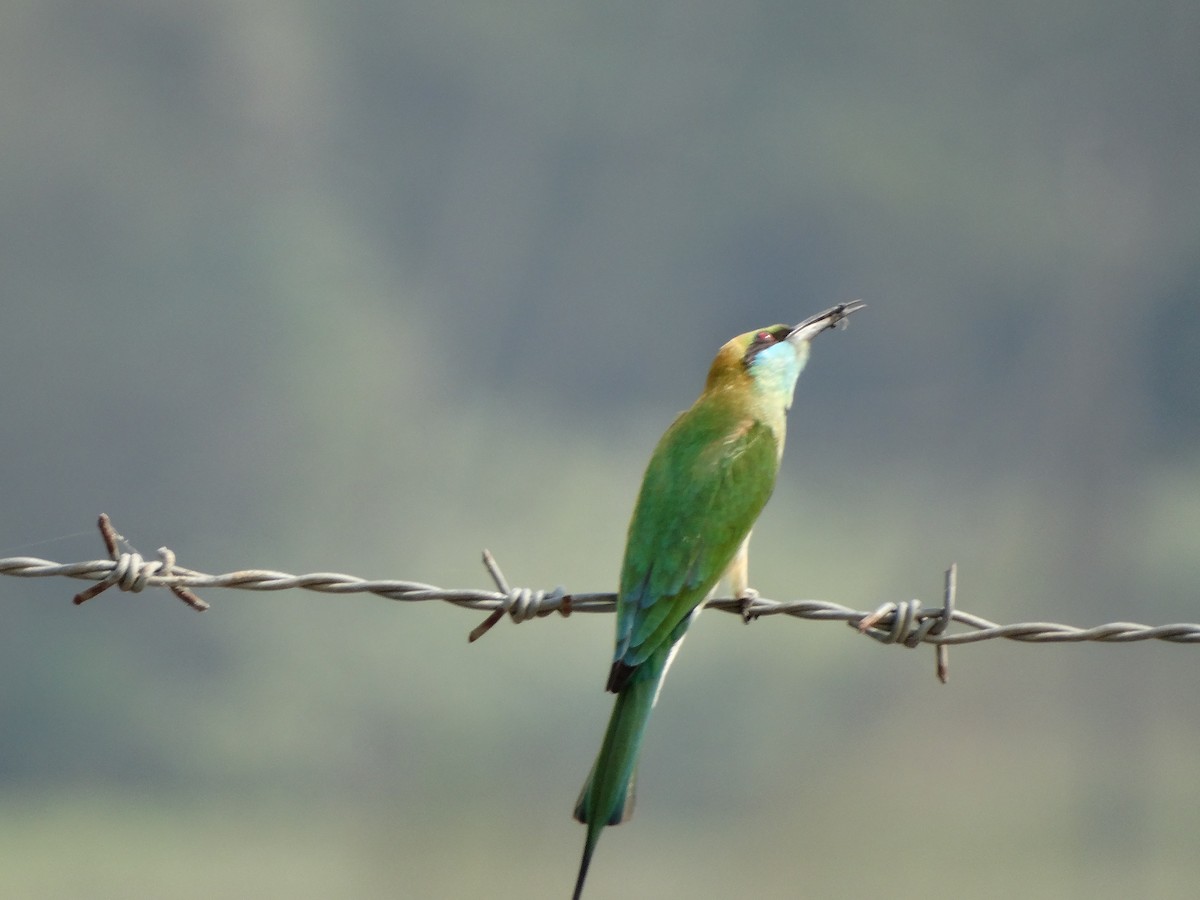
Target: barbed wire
x,y
905,623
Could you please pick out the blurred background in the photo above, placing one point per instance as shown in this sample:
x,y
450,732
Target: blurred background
x,y
367,287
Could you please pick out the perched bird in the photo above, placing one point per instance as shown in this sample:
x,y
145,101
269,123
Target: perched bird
x,y
709,478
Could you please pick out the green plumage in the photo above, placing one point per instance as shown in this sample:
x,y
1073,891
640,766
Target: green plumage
x,y
706,483
708,479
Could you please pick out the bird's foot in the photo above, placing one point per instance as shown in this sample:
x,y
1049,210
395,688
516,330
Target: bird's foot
x,y
746,602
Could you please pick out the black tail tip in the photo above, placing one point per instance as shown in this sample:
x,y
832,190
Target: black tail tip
x,y
583,868
589,846
618,676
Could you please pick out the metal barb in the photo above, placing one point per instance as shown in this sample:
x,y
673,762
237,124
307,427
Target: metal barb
x,y
132,573
521,604
942,651
487,624
905,623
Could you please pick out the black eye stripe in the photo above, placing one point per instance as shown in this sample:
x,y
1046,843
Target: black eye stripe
x,y
765,338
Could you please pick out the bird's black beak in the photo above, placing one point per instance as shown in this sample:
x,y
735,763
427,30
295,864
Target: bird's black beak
x,y
830,318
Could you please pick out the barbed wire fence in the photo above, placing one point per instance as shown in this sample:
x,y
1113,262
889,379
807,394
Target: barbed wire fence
x,y
906,623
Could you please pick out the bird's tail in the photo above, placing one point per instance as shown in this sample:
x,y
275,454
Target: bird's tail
x,y
607,795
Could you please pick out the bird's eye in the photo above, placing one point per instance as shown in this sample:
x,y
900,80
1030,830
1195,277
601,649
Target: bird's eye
x,y
763,339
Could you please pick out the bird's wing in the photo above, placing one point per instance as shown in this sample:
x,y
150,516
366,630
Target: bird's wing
x,y
705,485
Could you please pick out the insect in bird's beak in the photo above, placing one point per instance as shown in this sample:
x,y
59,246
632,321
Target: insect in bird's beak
x,y
834,317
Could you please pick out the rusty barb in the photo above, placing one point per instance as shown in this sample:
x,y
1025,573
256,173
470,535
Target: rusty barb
x,y
132,573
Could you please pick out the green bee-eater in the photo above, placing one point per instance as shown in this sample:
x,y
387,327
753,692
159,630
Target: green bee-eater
x,y
709,478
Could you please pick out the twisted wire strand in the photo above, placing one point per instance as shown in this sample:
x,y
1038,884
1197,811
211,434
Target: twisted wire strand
x,y
906,623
